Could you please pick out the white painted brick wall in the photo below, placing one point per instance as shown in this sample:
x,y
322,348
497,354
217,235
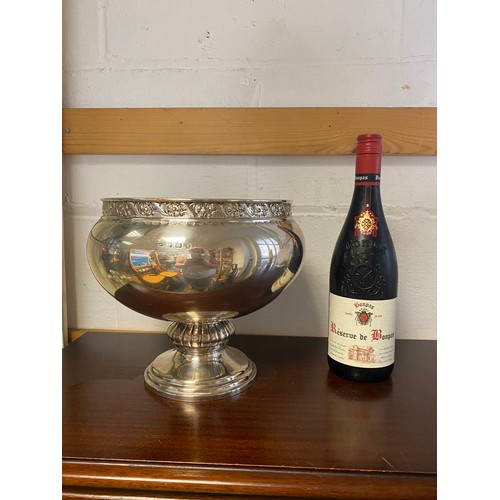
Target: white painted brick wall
x,y
148,53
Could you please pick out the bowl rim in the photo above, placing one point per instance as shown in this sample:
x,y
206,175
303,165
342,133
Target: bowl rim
x,y
197,208
196,200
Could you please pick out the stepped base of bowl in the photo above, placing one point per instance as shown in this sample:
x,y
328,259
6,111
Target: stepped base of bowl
x,y
196,376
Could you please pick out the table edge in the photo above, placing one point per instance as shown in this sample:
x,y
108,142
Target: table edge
x,y
245,480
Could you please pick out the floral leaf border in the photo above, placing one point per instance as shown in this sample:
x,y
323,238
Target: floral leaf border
x,y
197,209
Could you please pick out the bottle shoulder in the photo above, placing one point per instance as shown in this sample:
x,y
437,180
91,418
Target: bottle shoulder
x,y
364,266
364,260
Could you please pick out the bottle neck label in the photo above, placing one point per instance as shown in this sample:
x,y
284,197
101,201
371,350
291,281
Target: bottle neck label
x,y
367,179
362,332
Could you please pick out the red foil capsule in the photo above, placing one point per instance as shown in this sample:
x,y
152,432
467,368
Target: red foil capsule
x,y
368,154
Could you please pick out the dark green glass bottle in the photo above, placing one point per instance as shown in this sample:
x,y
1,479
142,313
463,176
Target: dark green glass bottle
x,y
364,279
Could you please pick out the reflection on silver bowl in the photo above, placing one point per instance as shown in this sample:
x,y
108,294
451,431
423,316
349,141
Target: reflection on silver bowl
x,y
196,263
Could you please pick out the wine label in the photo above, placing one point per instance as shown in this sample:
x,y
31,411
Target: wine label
x,y
367,179
362,333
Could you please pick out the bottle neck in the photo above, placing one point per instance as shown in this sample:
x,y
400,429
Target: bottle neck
x,y
368,168
367,183
366,214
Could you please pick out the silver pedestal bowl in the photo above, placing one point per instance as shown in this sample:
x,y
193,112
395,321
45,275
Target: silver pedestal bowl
x,y
196,263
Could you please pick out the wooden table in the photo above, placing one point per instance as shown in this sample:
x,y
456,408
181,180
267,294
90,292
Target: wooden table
x,y
298,432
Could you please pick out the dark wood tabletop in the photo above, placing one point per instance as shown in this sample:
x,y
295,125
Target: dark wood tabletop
x,y
298,432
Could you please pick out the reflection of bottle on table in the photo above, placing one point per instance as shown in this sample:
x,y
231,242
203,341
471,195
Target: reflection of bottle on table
x,y
199,269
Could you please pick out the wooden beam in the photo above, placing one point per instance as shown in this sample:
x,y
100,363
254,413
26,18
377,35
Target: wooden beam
x,y
246,131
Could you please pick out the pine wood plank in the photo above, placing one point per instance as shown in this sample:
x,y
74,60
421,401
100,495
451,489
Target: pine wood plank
x,y
246,131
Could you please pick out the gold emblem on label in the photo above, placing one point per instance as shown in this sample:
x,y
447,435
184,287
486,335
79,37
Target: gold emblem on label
x,y
366,223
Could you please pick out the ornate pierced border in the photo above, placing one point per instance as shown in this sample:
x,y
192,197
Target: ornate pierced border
x,y
197,209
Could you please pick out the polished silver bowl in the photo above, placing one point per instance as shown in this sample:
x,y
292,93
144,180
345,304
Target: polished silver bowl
x,y
197,263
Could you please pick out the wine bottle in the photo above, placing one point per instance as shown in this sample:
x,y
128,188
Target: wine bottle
x,y
364,279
